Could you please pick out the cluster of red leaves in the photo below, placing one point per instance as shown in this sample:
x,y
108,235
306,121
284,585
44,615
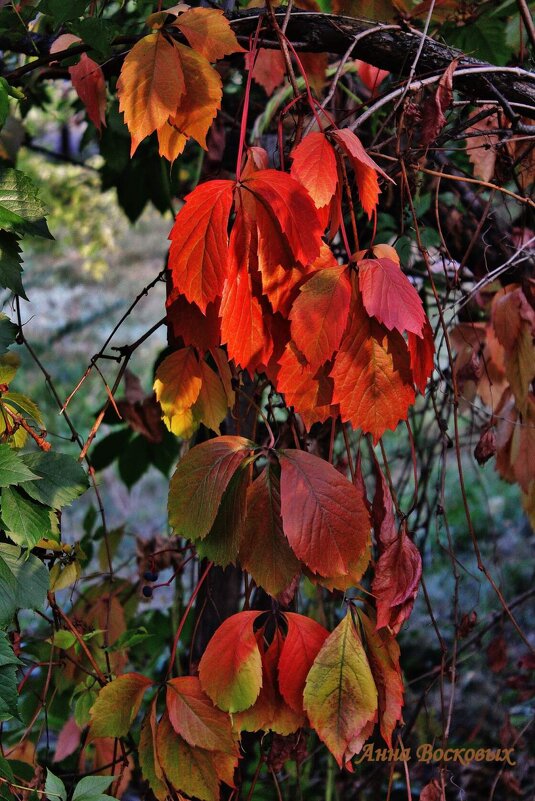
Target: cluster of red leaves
x,y
331,339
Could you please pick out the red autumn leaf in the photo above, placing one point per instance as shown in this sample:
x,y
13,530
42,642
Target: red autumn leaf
x,y
88,81
199,482
270,711
195,718
372,77
383,656
309,391
265,552
292,208
268,70
432,792
395,584
389,296
383,517
319,314
315,66
433,117
372,376
301,645
324,517
230,669
422,354
148,757
187,322
314,166
244,327
366,170
198,255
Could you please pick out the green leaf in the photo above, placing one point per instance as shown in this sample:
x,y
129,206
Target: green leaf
x,y
23,582
63,10
20,208
110,448
13,470
24,405
96,32
8,332
10,264
129,638
54,787
62,478
63,639
26,522
485,38
5,769
91,788
8,679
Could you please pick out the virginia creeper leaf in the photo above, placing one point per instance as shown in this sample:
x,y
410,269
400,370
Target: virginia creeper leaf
x,y
189,770
195,718
372,376
314,166
150,86
324,517
117,705
366,170
319,314
301,645
148,757
88,81
177,387
383,656
199,482
389,296
202,97
208,32
340,696
222,543
198,255
309,391
264,551
422,355
395,583
230,669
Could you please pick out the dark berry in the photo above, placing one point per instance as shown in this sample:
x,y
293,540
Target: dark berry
x,y
147,592
148,575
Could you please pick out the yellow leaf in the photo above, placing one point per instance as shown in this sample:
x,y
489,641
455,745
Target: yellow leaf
x,y
117,705
340,695
202,97
61,578
208,32
177,385
150,86
212,405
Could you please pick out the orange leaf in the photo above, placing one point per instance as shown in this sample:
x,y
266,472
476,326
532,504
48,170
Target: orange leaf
x,y
383,656
389,296
422,353
371,77
150,86
291,206
301,645
171,141
211,406
208,32
395,584
280,275
372,376
230,669
309,391
324,517
177,385
243,324
202,95
270,711
319,314
195,718
315,66
365,168
88,81
269,69
199,482
198,255
117,705
265,552
314,166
